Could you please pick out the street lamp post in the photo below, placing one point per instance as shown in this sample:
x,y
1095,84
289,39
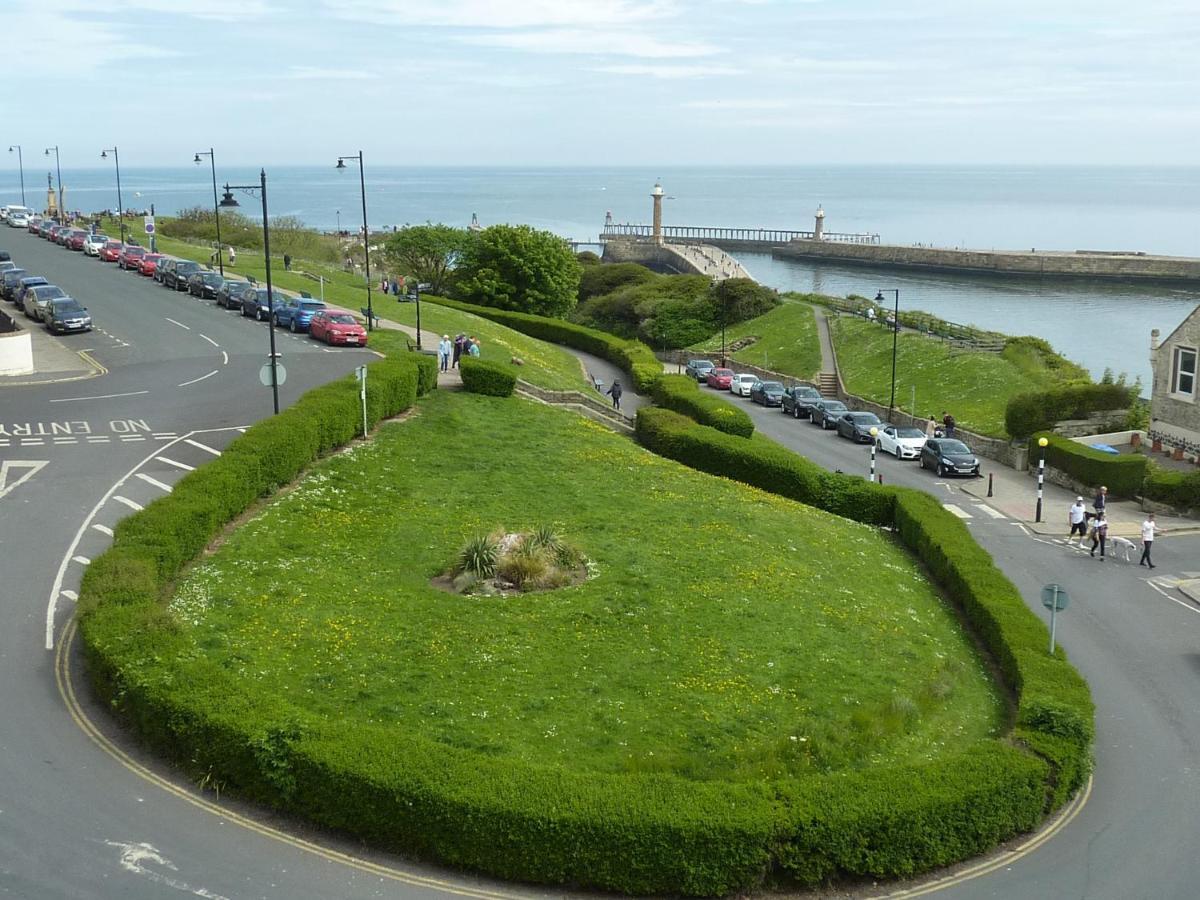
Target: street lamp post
x,y
338,213
228,201
895,335
417,297
1042,442
58,168
120,204
216,206
21,168
724,316
362,182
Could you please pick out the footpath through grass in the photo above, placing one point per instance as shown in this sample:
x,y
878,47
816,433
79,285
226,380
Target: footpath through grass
x,y
727,633
787,341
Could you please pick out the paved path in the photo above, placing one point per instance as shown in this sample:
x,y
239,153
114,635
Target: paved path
x,y
828,360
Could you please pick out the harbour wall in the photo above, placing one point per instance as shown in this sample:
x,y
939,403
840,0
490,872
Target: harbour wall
x,y
1037,264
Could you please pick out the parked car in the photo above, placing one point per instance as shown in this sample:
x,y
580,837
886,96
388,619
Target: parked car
x,y
29,281
35,225
44,227
259,303
740,384
6,263
176,277
229,296
948,456
75,239
164,265
335,326
110,251
204,284
9,282
130,256
35,300
296,312
826,413
698,368
93,243
148,264
65,314
857,426
719,378
60,236
768,393
797,401
903,442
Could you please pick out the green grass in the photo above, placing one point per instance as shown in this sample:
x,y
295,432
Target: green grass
x,y
727,633
787,341
974,386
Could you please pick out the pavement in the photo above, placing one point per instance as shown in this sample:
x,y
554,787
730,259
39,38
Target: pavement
x,y
53,360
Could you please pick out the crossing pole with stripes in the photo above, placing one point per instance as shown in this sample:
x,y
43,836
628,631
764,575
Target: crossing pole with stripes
x,y
874,444
1042,442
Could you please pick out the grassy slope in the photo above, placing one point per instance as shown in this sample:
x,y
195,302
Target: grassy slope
x,y
729,633
787,341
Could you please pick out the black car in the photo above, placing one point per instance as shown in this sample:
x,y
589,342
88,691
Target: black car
x,y
256,302
65,314
205,284
768,393
857,426
826,413
798,400
9,283
164,265
177,275
698,368
948,456
229,295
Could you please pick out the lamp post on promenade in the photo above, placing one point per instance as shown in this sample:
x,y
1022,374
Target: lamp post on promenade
x,y
1042,442
228,201
21,168
58,168
895,335
216,206
120,204
362,182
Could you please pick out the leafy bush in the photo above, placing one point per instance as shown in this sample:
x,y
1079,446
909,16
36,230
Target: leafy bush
x,y
682,394
740,299
1180,489
427,373
606,278
519,268
483,377
480,556
1122,474
1042,410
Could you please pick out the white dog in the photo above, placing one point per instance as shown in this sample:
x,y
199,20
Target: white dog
x,y
1125,544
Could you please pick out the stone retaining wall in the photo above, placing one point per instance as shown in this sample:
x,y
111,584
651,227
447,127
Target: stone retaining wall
x,y
595,409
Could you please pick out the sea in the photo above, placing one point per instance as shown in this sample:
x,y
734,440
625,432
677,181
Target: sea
x,y
1102,325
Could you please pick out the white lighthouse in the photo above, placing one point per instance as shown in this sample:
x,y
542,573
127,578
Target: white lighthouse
x,y
657,196
819,224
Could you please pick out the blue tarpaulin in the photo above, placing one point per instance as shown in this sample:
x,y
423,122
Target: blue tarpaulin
x,y
1104,448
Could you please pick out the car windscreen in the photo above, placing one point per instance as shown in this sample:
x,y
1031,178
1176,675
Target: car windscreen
x,y
48,292
313,307
772,387
954,447
909,433
66,305
343,319
863,417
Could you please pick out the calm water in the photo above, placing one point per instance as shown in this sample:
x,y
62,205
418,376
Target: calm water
x,y
1151,209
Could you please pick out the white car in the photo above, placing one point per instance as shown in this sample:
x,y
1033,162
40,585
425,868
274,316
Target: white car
x,y
900,441
741,384
93,242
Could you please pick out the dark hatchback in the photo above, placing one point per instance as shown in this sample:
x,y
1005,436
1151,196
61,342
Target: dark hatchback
x,y
177,276
229,295
65,314
826,413
768,393
857,426
256,302
797,401
205,284
10,282
948,456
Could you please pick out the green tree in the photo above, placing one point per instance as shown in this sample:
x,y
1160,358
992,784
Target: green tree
x,y
428,253
520,268
741,299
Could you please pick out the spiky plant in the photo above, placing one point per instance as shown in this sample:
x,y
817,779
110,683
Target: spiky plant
x,y
479,556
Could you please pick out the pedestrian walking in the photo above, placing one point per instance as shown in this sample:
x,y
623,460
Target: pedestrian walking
x,y
1077,517
615,392
1099,534
1101,502
949,423
930,429
1148,528
287,262
232,256
445,348
473,346
459,341
395,287
383,285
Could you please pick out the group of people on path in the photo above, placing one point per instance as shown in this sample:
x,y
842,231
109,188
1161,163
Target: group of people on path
x,y
946,429
1095,525
393,285
450,352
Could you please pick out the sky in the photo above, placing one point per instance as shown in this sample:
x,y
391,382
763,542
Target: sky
x,y
607,82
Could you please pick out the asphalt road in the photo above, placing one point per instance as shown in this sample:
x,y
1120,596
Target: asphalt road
x,y
79,821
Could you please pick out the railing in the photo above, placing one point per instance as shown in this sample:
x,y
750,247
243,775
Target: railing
x,y
772,236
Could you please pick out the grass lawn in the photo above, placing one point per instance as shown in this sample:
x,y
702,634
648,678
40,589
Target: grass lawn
x,y
973,385
727,633
787,341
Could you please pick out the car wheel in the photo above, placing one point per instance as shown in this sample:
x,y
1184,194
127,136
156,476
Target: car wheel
x,y
941,470
292,325
897,451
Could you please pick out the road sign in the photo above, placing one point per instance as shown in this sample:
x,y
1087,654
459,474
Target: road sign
x,y
1054,598
264,374
149,224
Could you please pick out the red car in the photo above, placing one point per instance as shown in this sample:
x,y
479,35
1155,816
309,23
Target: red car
x,y
75,239
720,379
336,326
110,251
148,263
130,256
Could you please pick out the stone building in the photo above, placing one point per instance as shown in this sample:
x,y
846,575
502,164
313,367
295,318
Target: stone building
x,y
1175,394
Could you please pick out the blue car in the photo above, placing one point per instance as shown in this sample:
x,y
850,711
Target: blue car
x,y
296,313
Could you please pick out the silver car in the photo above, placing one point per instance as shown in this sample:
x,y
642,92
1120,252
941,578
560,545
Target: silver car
x,y
36,299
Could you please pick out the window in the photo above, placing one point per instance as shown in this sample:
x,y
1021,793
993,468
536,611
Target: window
x,y
1183,371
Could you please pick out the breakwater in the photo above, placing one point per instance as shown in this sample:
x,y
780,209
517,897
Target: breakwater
x,y
1122,266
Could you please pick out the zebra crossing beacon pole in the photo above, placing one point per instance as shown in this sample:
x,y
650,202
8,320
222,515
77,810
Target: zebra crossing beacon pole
x,y
874,444
1042,442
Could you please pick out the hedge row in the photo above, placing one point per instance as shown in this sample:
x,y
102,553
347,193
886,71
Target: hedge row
x,y
891,826
1123,474
1180,489
634,357
482,377
682,394
1042,410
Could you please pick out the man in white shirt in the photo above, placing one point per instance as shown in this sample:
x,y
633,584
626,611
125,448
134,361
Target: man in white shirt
x,y
1078,520
1148,529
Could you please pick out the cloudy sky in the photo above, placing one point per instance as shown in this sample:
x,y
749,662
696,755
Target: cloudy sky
x,y
607,81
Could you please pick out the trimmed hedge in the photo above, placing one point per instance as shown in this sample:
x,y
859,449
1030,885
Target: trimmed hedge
x,y
683,394
427,372
481,377
1122,474
1042,410
1180,489
634,357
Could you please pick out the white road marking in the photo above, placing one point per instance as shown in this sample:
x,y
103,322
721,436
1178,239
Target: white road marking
x,y
180,324
176,463
204,447
32,442
201,378
154,481
1188,606
99,397
33,466
132,437
210,340
82,560
103,529
994,513
136,857
224,358
97,438
70,595
957,510
132,504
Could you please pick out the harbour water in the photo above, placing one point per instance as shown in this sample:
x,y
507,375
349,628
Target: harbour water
x,y
989,207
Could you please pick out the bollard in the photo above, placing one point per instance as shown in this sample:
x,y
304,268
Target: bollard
x,y
989,484
881,478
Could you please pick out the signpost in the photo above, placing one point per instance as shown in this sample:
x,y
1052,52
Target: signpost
x,y
264,374
361,374
1054,598
149,220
